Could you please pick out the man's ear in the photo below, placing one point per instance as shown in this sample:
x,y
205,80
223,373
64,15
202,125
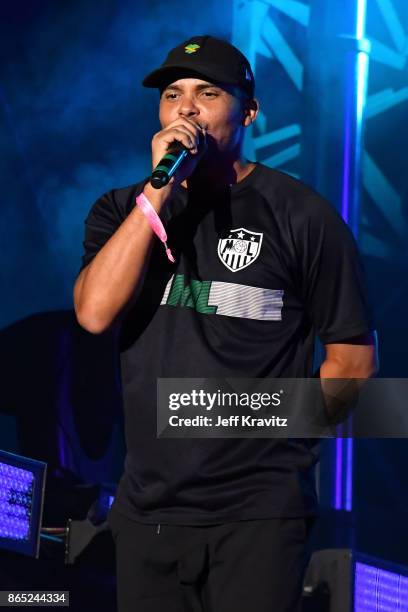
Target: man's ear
x,y
250,111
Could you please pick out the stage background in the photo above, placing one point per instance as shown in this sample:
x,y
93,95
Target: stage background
x,y
75,122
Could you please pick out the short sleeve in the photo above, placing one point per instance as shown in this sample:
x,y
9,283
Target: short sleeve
x,y
105,217
102,221
334,287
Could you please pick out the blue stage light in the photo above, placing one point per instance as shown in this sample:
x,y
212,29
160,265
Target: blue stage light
x,y
357,582
361,18
379,589
22,483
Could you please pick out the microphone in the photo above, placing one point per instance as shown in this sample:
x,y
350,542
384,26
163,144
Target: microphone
x,y
168,165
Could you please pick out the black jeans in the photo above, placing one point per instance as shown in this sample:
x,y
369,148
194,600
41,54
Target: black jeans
x,y
242,566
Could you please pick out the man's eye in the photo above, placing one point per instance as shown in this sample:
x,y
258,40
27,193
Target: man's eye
x,y
170,96
209,93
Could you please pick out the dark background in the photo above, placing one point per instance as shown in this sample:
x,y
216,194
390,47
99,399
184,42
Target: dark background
x,y
75,122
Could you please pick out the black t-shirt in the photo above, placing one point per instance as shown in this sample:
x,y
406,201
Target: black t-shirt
x,y
261,268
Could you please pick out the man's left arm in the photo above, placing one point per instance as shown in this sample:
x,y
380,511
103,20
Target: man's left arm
x,y
352,358
347,366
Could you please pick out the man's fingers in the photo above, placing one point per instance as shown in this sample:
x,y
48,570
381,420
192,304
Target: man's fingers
x,y
182,134
192,136
191,126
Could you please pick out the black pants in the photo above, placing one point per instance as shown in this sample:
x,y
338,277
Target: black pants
x,y
241,566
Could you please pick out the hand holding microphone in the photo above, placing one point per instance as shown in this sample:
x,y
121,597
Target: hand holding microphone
x,y
177,149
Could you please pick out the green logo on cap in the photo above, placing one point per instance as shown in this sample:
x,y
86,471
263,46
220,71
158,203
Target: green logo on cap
x,y
191,48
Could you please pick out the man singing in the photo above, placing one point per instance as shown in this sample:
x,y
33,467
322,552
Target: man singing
x,y
234,276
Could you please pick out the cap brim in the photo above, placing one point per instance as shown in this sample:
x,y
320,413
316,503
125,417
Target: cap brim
x,y
167,74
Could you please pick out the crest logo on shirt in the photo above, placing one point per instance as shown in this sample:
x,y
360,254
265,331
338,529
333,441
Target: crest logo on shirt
x,y
239,249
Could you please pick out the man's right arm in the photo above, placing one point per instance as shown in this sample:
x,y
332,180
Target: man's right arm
x,y
106,286
108,283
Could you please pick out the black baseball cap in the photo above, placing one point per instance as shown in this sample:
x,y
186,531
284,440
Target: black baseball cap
x,y
204,56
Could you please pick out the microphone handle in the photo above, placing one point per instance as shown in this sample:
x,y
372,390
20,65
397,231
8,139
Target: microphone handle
x,y
167,166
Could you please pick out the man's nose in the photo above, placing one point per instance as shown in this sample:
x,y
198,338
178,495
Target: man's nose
x,y
188,108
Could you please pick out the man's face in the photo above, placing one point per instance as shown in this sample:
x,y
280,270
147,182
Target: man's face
x,y
218,108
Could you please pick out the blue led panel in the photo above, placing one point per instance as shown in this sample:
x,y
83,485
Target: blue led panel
x,y
22,483
378,589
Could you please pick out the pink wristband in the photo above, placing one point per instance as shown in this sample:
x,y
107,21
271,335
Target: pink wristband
x,y
157,226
